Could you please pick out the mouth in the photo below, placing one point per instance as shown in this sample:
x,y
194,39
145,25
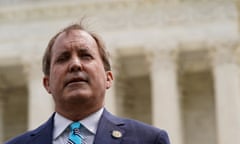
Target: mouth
x,y
76,80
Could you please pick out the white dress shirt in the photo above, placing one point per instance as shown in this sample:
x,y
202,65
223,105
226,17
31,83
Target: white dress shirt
x,y
88,129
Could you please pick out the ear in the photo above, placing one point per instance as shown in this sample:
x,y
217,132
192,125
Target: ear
x,y
109,79
46,84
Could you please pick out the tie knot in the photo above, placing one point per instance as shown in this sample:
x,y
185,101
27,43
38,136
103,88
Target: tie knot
x,y
74,135
75,125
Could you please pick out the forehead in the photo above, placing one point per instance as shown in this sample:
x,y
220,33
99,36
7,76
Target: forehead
x,y
74,38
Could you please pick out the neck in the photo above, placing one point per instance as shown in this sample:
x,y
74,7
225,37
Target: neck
x,y
77,113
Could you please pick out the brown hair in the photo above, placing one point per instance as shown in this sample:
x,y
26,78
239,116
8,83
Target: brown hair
x,y
46,61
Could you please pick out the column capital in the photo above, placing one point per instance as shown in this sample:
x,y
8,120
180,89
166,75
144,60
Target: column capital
x,y
225,53
162,58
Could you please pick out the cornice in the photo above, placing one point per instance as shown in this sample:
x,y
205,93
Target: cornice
x,y
123,13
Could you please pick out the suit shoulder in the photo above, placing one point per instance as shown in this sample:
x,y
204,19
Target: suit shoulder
x,y
44,130
141,125
20,139
146,132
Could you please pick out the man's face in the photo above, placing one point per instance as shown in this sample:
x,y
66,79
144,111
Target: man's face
x,y
77,74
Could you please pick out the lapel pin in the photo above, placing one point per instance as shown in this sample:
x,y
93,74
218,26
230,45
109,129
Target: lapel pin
x,y
116,134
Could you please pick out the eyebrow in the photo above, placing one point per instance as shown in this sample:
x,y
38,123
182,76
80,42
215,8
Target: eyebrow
x,y
83,49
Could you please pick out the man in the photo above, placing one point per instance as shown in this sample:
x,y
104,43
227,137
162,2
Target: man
x,y
77,73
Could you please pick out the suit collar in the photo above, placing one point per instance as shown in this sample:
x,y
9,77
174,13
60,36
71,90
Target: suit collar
x,y
109,129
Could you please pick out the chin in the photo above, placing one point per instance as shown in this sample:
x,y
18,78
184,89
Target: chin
x,y
78,96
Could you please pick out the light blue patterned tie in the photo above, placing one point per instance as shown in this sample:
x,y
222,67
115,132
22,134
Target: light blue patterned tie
x,y
74,136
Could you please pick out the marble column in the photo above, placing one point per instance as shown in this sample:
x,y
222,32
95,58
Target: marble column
x,y
165,96
40,105
226,71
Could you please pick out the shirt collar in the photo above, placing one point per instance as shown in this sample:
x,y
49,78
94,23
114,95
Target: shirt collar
x,y
90,123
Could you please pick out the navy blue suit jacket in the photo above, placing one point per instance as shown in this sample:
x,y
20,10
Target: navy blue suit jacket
x,y
133,132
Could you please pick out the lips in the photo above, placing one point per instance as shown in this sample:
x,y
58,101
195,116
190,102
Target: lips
x,y
75,80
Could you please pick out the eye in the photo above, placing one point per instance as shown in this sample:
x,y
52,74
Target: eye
x,y
63,57
86,56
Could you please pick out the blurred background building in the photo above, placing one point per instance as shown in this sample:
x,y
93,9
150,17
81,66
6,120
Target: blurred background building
x,y
176,63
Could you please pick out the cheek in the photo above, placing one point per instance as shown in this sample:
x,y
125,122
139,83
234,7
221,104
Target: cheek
x,y
96,74
102,78
55,77
57,71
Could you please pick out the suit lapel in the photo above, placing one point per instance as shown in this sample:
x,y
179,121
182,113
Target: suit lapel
x,y
109,130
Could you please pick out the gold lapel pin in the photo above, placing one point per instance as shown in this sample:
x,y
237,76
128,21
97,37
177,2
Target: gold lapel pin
x,y
116,134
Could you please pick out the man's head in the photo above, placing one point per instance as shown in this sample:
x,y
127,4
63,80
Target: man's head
x,y
77,71
77,26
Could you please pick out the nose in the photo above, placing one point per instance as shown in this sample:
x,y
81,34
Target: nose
x,y
75,65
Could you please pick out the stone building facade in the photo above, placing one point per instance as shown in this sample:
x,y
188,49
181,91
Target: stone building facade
x,y
176,63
